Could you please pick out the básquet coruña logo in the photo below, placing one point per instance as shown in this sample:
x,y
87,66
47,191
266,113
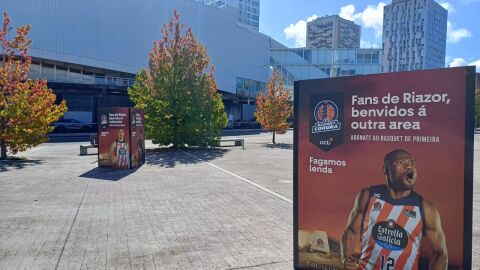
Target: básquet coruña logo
x,y
326,120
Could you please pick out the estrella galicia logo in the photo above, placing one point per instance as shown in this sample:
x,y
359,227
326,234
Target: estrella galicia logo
x,y
326,120
390,235
326,115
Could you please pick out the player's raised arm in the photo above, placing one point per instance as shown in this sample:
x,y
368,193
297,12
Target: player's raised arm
x,y
113,155
351,235
436,237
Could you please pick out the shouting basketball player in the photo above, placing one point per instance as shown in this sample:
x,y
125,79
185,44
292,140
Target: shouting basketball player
x,y
119,150
387,222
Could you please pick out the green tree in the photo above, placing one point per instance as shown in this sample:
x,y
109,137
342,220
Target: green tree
x,y
27,107
273,107
179,97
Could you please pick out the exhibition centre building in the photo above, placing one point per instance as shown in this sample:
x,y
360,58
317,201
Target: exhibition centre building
x,y
89,51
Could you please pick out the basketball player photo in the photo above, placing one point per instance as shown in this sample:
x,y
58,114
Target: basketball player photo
x,y
387,222
119,151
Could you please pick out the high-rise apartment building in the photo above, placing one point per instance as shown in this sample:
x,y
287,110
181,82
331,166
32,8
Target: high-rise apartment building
x,y
333,32
414,35
249,13
248,10
216,3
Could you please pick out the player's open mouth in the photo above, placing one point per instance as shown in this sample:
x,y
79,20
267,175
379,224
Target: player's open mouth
x,y
410,176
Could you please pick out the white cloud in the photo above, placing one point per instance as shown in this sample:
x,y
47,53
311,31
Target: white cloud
x,y
455,35
311,18
348,12
460,62
298,31
370,17
448,6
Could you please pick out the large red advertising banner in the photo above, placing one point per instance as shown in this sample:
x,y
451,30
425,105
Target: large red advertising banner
x,y
121,141
383,171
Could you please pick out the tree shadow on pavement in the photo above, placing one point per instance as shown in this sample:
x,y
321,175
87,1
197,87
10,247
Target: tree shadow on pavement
x,y
109,174
16,164
169,158
285,146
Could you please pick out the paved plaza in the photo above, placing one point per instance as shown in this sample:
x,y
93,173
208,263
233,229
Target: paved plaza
x,y
226,208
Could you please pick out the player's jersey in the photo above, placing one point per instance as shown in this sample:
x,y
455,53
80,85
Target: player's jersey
x,y
122,153
391,231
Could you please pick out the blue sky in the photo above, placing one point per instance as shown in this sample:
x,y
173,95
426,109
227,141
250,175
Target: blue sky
x,y
285,21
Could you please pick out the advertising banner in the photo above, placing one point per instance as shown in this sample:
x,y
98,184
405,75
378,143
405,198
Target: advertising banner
x,y
383,171
114,138
137,137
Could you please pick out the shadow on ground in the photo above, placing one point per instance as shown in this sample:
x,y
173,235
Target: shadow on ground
x,y
240,132
169,158
108,174
69,137
16,164
95,153
286,146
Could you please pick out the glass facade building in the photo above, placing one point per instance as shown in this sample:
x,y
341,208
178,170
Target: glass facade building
x,y
313,63
63,73
90,54
248,88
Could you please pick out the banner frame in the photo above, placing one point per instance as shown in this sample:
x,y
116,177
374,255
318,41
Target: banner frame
x,y
468,181
296,89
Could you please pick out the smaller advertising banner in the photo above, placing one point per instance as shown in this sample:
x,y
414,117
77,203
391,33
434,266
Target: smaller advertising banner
x,y
137,137
121,142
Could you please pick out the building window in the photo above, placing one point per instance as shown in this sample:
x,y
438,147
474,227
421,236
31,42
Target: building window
x,y
48,71
248,87
79,103
61,73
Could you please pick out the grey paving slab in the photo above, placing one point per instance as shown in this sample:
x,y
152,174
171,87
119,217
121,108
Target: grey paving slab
x,y
175,213
269,165
58,211
476,205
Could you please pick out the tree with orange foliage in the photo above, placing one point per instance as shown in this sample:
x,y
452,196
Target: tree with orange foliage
x,y
273,107
27,107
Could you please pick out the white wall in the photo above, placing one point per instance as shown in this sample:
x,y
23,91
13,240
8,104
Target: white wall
x,y
118,34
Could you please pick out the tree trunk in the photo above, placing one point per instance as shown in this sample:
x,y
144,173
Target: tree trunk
x,y
273,137
175,135
3,143
3,149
